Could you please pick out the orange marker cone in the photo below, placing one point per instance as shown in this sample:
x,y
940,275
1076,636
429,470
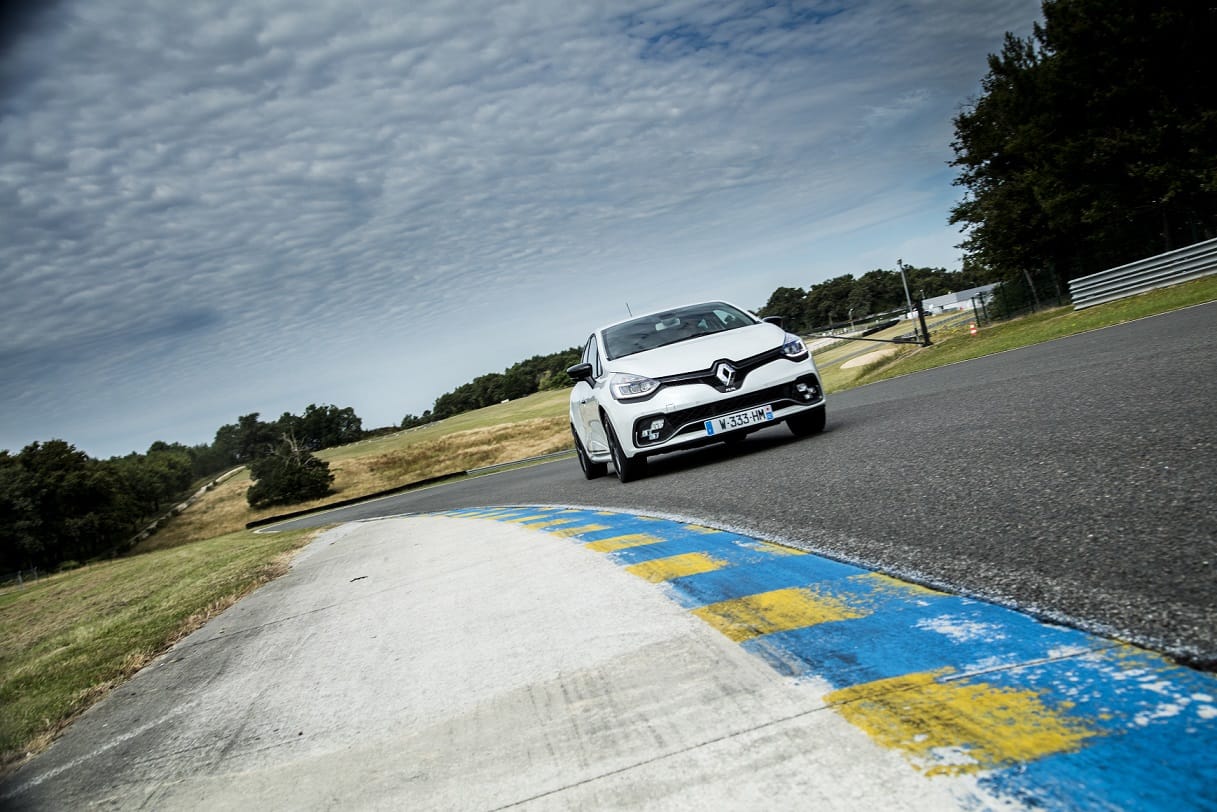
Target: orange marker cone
x,y
972,329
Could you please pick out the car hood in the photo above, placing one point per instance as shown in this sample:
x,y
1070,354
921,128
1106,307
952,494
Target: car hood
x,y
700,353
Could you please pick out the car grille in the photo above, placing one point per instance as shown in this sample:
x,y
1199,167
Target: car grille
x,y
709,378
657,428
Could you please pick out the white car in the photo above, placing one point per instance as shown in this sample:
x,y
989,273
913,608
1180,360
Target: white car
x,y
683,377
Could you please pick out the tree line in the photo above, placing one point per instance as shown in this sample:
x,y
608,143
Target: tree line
x,y
842,299
537,374
60,506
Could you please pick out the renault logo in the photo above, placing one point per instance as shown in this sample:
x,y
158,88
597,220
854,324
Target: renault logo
x,y
725,374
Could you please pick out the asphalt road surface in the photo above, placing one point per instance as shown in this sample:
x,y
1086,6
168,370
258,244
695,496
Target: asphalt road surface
x,y
1074,480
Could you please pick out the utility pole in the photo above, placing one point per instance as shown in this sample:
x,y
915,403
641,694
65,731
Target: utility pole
x,y
907,297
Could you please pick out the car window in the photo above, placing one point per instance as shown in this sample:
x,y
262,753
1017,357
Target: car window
x,y
668,327
591,355
595,362
729,319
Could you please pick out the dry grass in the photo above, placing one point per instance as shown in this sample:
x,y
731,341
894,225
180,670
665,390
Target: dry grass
x,y
474,448
384,465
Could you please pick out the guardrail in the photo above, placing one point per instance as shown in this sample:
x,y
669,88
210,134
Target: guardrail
x,y
485,469
1143,275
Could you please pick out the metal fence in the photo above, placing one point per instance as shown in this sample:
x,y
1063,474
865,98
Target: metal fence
x,y
21,577
1161,271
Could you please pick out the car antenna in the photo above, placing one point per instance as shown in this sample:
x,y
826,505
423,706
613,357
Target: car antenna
x,y
627,310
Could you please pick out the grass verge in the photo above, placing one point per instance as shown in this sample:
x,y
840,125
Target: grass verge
x,y
66,640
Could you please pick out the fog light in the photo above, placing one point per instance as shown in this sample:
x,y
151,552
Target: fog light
x,y
651,433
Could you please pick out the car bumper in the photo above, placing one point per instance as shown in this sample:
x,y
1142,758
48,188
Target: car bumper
x,y
676,416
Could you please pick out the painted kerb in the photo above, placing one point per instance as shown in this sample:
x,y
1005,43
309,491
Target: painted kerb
x,y
1161,271
1039,716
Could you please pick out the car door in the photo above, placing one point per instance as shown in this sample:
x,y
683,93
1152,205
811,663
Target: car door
x,y
586,398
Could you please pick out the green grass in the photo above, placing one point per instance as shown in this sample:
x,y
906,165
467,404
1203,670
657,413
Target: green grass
x,y
66,640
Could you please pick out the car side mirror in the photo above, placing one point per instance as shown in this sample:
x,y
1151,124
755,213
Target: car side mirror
x,y
580,372
773,320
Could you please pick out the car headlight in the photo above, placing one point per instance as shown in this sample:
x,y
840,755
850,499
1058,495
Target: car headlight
x,y
625,386
794,348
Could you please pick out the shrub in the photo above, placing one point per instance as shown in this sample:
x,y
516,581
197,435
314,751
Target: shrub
x,y
290,474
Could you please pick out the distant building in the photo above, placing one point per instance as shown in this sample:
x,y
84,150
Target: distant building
x,y
958,301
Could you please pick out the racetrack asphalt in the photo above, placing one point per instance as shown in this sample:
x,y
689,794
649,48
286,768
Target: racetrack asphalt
x,y
1073,480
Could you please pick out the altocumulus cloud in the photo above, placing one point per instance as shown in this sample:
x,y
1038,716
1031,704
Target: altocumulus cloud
x,y
215,208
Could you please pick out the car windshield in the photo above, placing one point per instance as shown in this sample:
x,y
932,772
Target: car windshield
x,y
668,327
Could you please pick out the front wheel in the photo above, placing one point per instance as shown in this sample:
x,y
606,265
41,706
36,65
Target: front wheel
x,y
627,469
591,470
735,439
807,423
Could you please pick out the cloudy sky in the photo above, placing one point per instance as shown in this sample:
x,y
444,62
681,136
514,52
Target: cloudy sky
x,y
214,208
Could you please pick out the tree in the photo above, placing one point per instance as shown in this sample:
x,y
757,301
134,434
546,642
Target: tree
x,y
152,480
289,474
790,304
519,380
207,459
553,374
827,302
322,426
66,505
21,539
1091,143
411,421
246,440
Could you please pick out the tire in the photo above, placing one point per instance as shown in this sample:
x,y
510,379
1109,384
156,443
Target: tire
x,y
807,423
591,470
734,439
627,469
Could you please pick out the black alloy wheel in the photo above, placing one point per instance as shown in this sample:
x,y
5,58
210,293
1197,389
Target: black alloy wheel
x,y
591,470
627,469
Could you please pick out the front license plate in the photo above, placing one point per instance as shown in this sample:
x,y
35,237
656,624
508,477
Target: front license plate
x,y
738,420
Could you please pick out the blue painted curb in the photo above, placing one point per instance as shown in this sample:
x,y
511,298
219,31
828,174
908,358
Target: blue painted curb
x,y
1040,715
